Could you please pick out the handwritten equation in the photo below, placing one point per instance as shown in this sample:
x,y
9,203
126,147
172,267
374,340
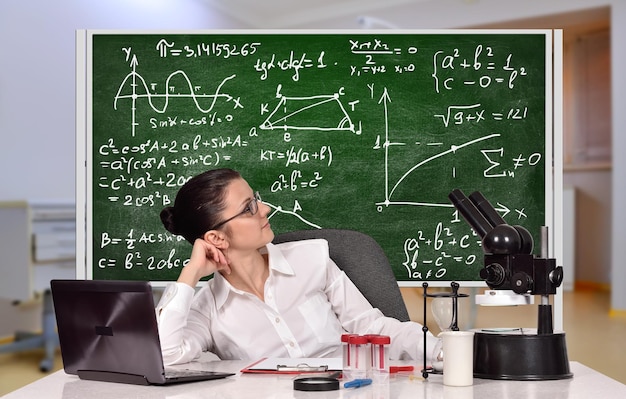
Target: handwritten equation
x,y
360,131
485,70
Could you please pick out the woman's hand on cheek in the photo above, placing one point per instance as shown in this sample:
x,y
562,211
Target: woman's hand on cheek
x,y
208,257
205,260
216,254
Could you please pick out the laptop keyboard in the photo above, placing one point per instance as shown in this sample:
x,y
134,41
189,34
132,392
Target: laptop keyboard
x,y
177,373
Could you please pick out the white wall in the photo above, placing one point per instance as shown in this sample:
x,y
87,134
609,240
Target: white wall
x,y
618,65
593,219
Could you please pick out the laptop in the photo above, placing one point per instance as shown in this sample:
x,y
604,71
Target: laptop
x,y
108,332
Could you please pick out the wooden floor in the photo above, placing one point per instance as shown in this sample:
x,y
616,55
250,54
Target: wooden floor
x,y
593,338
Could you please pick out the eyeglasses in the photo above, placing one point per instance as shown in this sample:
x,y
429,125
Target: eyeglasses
x,y
252,207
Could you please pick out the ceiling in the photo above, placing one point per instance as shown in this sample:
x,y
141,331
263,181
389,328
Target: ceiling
x,y
426,14
288,13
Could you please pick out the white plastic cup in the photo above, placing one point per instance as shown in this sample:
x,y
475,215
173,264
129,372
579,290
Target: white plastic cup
x,y
380,358
458,358
359,351
347,368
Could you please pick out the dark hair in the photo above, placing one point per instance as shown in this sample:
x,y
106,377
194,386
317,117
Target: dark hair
x,y
199,203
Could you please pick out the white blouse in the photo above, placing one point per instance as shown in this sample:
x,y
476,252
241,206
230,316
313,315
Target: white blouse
x,y
309,303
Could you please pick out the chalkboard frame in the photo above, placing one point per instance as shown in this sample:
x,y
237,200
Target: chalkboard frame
x,y
553,129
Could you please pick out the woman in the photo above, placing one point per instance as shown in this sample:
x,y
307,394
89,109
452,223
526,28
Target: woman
x,y
265,300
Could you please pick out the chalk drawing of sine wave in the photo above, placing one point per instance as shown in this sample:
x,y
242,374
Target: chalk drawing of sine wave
x,y
322,112
136,82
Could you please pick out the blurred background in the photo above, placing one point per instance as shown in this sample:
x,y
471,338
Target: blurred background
x,y
38,110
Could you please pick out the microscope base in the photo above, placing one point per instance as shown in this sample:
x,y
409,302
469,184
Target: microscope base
x,y
520,354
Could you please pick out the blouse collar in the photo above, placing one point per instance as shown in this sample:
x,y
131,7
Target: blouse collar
x,y
277,264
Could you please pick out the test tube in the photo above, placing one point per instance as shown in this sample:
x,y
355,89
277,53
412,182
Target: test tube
x,y
358,347
369,354
380,358
347,372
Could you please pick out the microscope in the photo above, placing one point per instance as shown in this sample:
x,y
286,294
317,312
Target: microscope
x,y
514,275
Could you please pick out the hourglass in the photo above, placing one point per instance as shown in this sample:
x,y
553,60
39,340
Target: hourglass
x,y
444,315
444,308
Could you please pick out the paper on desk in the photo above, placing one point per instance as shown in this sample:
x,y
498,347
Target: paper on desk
x,y
270,365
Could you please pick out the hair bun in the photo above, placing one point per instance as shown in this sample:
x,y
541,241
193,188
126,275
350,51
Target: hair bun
x,y
168,219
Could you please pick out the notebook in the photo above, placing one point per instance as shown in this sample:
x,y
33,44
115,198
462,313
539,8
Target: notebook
x,y
108,332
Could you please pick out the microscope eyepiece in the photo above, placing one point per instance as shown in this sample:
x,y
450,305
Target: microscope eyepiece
x,y
470,213
485,207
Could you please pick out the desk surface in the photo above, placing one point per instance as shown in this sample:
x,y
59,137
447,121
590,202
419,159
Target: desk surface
x,y
586,383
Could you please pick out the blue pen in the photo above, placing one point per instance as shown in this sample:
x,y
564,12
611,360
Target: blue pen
x,y
360,382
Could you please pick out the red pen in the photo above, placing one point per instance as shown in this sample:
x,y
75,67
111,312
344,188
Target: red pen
x,y
395,369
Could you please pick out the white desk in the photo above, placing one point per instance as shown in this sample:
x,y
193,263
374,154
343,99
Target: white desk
x,y
586,383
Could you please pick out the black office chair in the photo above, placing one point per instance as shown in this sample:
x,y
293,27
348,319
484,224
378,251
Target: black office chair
x,y
364,262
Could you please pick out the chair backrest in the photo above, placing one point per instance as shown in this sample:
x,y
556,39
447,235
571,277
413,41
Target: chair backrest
x,y
364,262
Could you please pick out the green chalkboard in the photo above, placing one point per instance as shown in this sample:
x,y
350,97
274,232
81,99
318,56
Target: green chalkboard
x,y
356,130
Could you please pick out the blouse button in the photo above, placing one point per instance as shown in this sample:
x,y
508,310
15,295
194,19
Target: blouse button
x,y
277,320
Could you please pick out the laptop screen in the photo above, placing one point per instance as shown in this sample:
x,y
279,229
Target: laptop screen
x,y
108,326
